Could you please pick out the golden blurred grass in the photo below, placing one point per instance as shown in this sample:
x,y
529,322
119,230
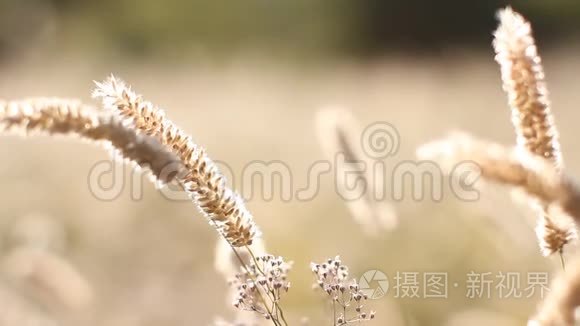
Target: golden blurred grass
x,y
150,261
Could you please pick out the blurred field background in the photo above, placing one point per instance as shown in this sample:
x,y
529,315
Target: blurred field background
x,y
246,78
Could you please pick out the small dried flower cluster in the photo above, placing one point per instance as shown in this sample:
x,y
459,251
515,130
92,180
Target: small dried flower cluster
x,y
262,283
332,278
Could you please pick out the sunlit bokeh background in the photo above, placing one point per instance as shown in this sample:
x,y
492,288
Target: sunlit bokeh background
x,y
246,79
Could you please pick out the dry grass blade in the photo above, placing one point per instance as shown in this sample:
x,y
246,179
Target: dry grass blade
x,y
55,116
339,133
202,180
523,80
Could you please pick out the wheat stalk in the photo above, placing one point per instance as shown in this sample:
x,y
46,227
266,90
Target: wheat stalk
x,y
524,82
56,116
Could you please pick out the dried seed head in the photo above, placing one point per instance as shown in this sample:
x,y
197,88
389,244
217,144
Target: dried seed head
x,y
55,117
554,236
202,179
538,177
524,82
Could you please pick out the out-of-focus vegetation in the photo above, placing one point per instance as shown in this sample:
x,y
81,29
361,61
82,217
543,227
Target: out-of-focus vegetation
x,y
150,260
361,28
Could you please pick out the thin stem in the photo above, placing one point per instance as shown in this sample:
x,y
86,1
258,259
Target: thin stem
x,y
278,307
354,320
272,317
241,260
277,296
333,312
274,320
562,261
282,315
